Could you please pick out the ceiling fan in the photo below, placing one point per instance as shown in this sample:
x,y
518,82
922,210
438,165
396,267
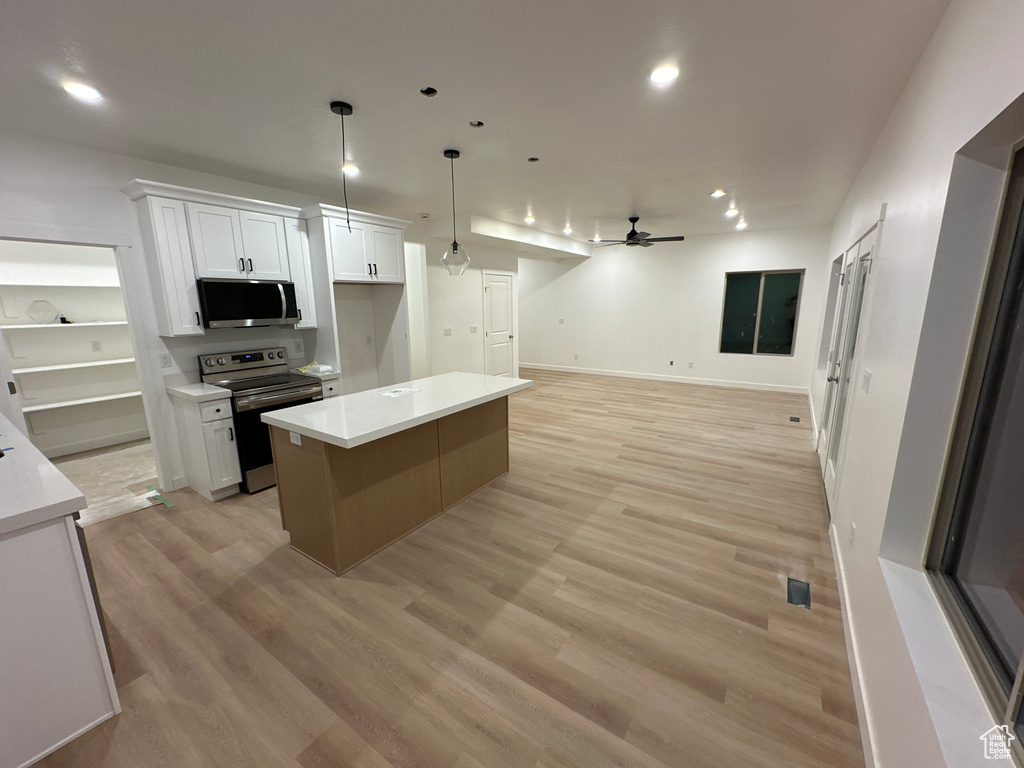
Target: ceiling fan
x,y
642,239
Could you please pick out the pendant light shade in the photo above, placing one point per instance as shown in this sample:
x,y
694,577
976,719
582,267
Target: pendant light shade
x,y
455,259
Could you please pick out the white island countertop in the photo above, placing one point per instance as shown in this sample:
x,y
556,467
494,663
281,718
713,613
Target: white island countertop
x,y
359,418
32,490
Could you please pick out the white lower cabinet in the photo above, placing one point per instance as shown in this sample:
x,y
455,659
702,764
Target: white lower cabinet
x,y
207,435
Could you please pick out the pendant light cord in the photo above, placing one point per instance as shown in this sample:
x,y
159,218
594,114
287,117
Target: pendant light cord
x,y
344,161
454,238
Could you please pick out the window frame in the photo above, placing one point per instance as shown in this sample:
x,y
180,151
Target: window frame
x,y
976,403
760,296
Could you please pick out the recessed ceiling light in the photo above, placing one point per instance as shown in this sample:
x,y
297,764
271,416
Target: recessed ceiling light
x,y
533,159
529,218
741,225
732,212
429,92
567,230
664,75
477,123
718,193
350,169
82,92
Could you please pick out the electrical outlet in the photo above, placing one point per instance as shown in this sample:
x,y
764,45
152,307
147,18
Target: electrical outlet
x,y
447,331
561,321
853,531
865,383
576,356
472,329
690,364
165,360
297,348
295,438
671,362
97,347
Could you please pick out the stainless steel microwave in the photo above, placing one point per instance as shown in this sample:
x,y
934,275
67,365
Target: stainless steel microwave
x,y
247,303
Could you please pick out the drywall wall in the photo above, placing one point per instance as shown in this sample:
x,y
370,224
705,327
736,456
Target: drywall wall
x,y
653,311
418,298
59,192
458,303
972,69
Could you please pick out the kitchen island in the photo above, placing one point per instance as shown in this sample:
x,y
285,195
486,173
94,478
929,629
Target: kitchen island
x,y
55,675
357,472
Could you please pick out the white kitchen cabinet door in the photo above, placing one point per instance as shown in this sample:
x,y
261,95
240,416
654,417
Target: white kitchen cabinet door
x,y
388,255
263,246
221,453
216,241
349,252
302,274
169,257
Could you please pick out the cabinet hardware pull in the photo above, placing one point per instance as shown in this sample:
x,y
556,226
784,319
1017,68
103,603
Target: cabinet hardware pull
x,y
374,270
250,265
198,322
300,314
11,388
369,270
231,435
241,265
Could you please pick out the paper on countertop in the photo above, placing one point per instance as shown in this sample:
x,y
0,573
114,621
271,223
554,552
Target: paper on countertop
x,y
315,367
398,392
307,368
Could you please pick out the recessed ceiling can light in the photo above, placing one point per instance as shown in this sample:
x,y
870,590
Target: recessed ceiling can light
x,y
733,212
529,218
567,230
664,75
477,123
718,193
741,225
82,92
424,215
429,92
533,159
350,169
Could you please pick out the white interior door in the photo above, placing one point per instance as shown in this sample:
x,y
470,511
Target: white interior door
x,y
831,369
498,323
855,277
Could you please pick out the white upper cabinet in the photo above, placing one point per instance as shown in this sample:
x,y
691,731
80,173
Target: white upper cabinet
x,y
216,241
264,247
231,243
368,249
302,273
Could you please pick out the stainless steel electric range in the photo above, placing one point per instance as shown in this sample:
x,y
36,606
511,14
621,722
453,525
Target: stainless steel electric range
x,y
259,381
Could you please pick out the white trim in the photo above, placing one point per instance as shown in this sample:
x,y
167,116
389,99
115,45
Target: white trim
x,y
679,379
140,188
814,420
853,654
60,233
69,739
334,212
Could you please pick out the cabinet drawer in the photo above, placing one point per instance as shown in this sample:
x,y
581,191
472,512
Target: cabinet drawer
x,y
332,388
215,409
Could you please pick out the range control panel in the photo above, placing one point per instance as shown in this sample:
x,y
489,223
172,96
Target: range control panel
x,y
225,362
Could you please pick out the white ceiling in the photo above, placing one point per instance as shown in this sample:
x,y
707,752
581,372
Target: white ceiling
x,y
778,102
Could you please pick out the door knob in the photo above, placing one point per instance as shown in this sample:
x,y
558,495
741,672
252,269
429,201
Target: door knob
x,y
833,378
511,336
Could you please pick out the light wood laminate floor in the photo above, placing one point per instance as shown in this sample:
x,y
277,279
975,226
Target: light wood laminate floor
x,y
618,599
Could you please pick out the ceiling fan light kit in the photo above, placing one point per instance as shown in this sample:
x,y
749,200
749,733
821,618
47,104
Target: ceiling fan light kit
x,y
634,238
455,259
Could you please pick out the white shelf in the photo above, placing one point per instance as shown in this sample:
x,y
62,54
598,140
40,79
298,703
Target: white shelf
x,y
95,324
70,366
83,401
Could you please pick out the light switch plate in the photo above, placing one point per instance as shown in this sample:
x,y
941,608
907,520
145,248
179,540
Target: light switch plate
x,y
165,360
297,348
561,321
447,331
295,437
472,329
865,383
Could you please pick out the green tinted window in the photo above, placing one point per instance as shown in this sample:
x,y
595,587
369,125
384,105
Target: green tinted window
x,y
759,315
739,318
779,298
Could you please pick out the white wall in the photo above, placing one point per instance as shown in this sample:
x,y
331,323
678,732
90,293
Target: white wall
x,y
418,297
973,68
458,303
632,310
59,192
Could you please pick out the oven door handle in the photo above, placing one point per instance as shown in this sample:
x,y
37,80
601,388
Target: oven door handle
x,y
259,401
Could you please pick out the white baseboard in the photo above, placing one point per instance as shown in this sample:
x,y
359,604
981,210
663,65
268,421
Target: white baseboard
x,y
814,420
56,451
853,653
679,379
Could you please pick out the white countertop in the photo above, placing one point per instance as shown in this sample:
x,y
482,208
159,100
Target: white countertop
x,y
198,393
32,490
352,420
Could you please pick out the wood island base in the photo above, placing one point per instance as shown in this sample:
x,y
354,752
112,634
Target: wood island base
x,y
341,505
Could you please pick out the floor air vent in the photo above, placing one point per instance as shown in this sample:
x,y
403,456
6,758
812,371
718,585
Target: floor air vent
x,y
798,593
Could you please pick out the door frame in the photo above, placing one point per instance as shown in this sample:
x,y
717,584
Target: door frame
x,y
514,372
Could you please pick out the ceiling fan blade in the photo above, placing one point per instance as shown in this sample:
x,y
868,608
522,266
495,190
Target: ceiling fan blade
x,y
606,243
665,239
644,243
642,235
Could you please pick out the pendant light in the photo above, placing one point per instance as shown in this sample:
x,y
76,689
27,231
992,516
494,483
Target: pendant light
x,y
455,259
343,108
